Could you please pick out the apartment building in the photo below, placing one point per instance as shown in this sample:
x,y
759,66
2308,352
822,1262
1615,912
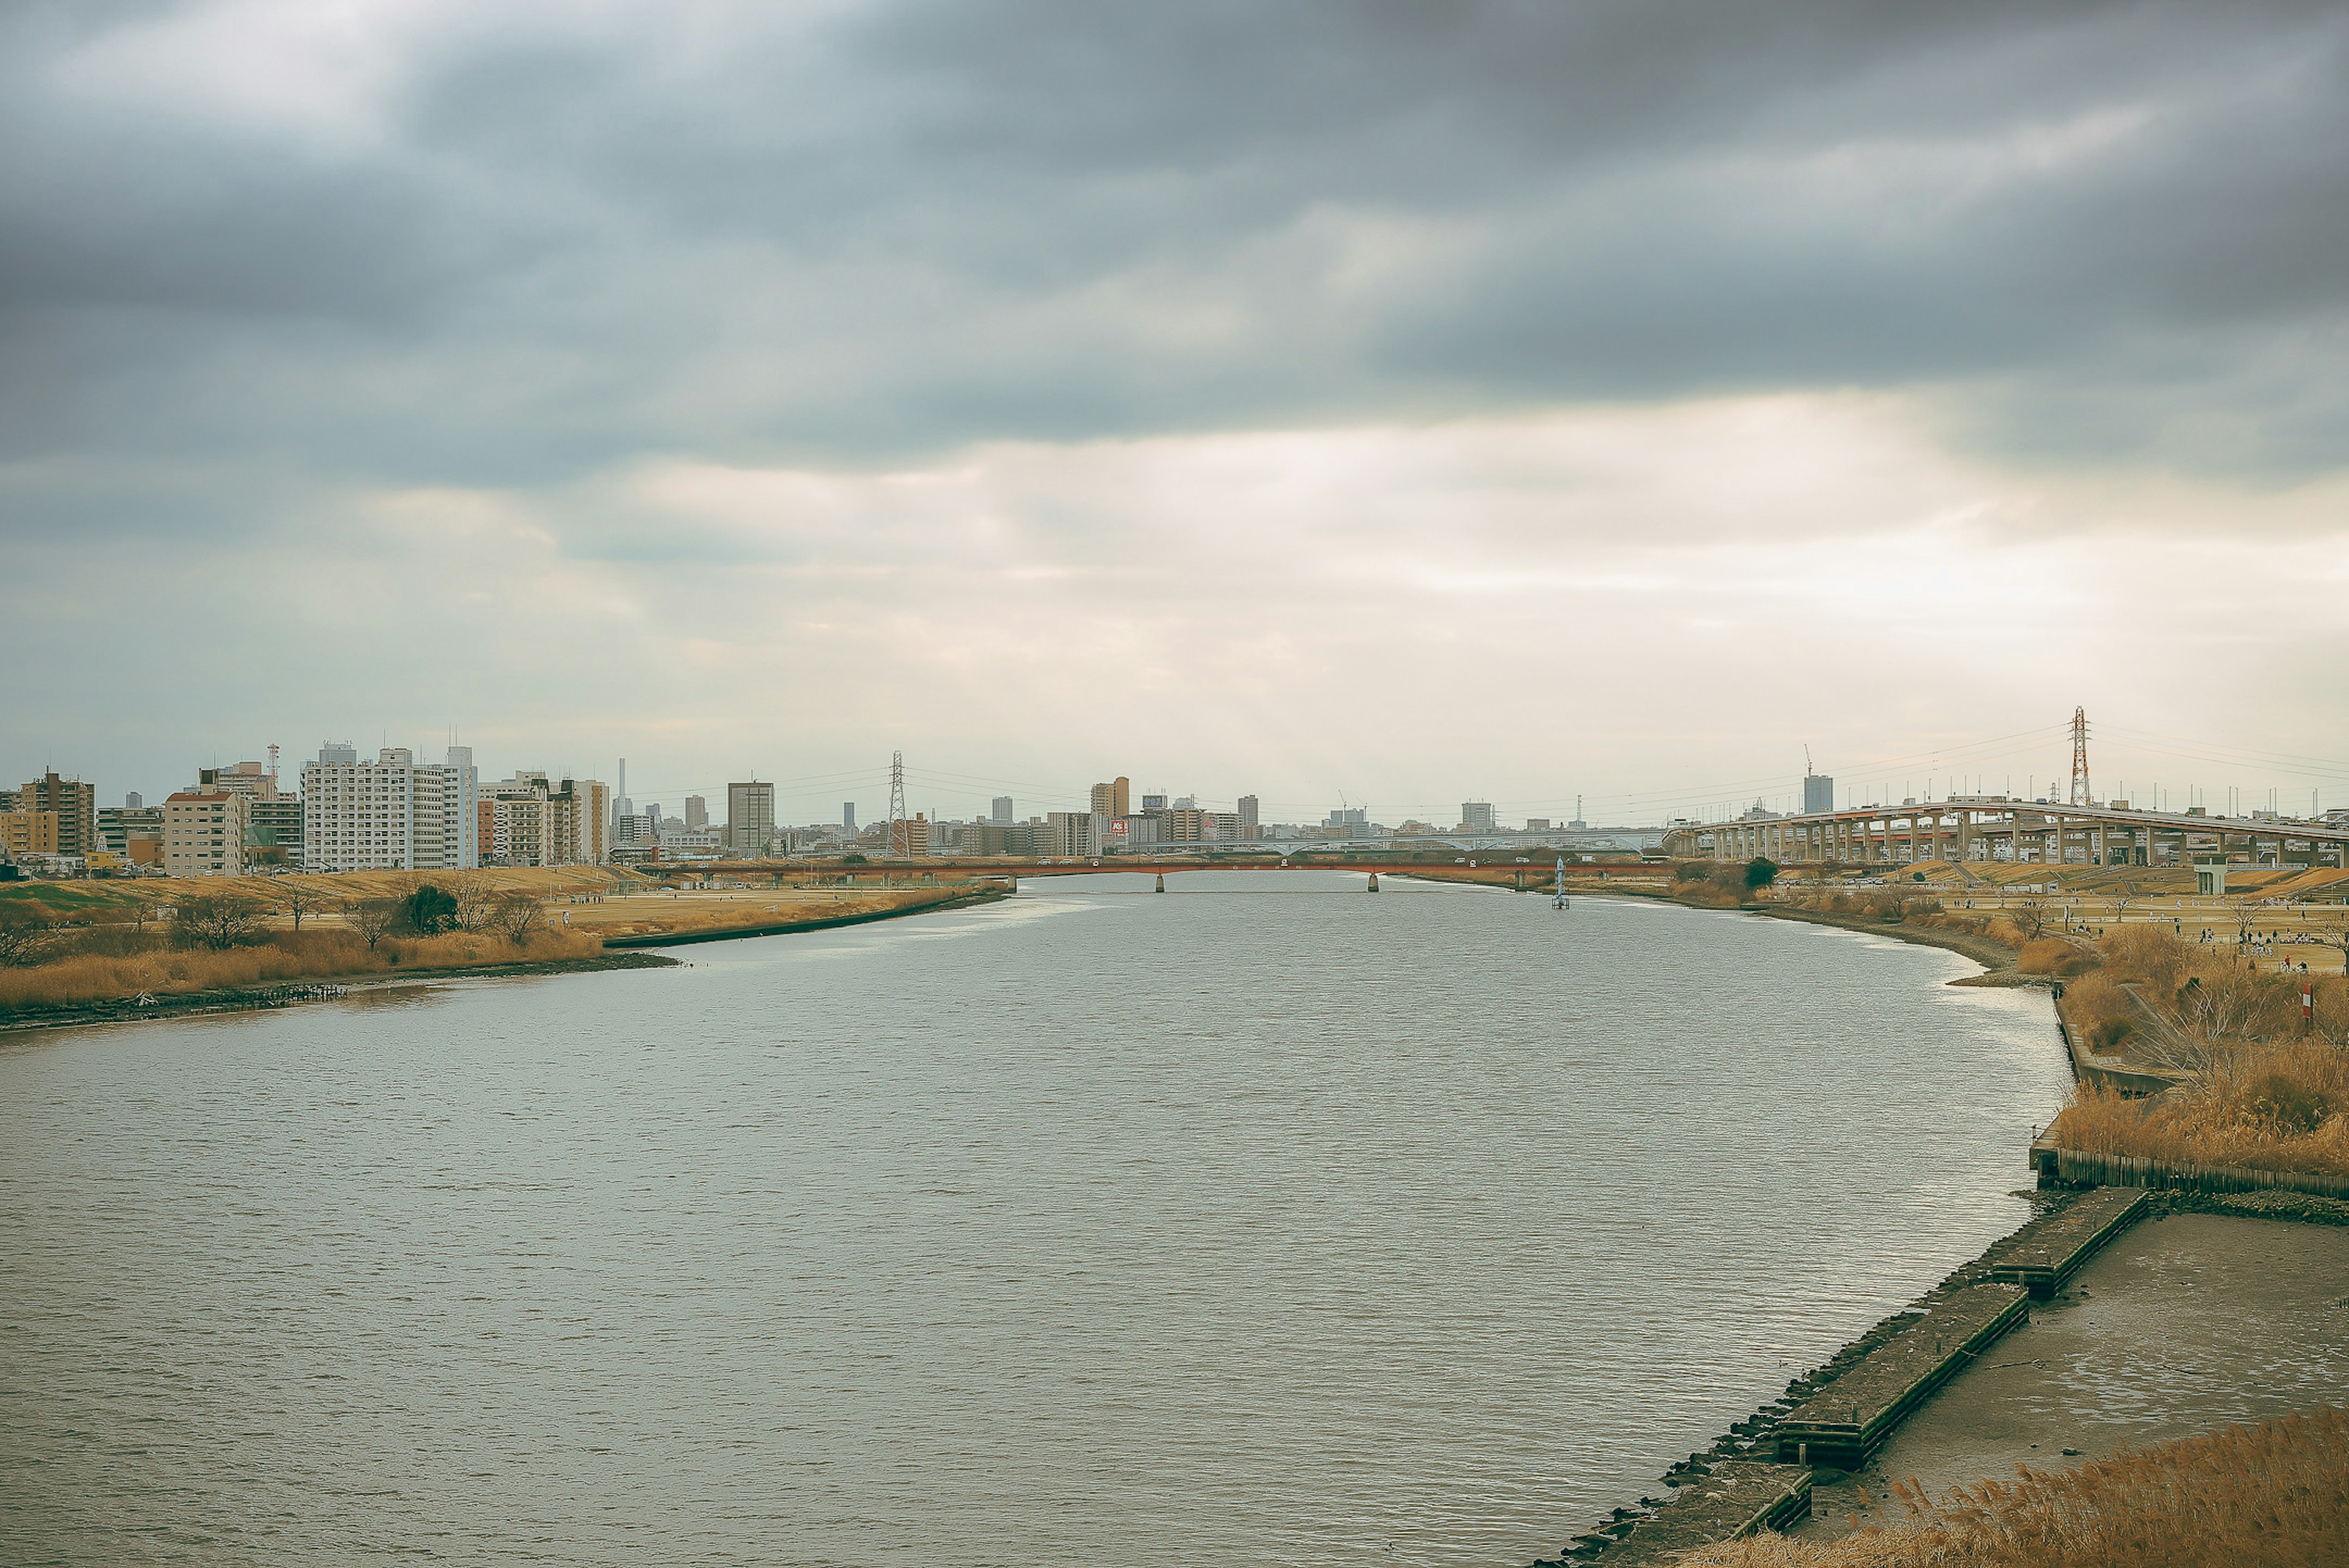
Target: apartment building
x,y
204,834
75,804
24,834
394,813
530,820
1071,835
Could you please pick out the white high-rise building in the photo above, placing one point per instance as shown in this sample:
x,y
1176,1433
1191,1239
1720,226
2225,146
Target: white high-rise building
x,y
394,813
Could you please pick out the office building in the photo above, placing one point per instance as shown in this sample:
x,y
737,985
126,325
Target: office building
x,y
1249,825
749,816
75,804
1071,835
135,801
204,834
848,818
1113,799
1003,811
1476,817
394,813
696,813
1819,792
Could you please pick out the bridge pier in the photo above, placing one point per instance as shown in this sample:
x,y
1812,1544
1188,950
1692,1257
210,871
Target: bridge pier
x,y
1374,881
1162,883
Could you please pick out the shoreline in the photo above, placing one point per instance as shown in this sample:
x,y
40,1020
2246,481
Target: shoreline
x,y
1758,1474
618,952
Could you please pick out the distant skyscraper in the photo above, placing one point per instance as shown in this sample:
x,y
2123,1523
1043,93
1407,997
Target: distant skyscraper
x,y
848,818
749,816
1477,816
133,801
1114,798
1819,792
1247,816
1002,812
696,813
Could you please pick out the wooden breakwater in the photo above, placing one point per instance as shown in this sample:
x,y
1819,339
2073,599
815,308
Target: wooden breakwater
x,y
2081,1168
1843,1423
1757,1475
1738,1498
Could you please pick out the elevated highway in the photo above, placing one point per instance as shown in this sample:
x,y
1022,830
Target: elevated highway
x,y
1973,827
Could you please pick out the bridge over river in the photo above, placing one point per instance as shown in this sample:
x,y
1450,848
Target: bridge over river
x,y
1984,828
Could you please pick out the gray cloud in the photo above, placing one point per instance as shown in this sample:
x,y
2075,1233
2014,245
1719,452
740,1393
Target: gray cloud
x,y
518,246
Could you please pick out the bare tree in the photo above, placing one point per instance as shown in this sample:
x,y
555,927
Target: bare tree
x,y
219,924
21,937
297,897
476,900
373,918
2030,918
518,915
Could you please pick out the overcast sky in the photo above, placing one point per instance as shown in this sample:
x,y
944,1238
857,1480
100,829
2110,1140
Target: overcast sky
x,y
1405,402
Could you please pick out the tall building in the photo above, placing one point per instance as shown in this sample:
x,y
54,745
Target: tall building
x,y
1114,798
204,834
696,813
749,816
1818,793
1071,835
28,833
274,833
1001,814
581,822
133,801
394,813
1184,825
1249,826
848,818
1476,817
75,804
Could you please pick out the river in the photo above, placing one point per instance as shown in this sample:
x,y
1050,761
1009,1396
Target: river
x,y
1266,1221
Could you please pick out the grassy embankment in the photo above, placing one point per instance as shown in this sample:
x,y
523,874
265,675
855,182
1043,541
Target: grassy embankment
x,y
2258,1087
2264,1089
101,941
2270,1496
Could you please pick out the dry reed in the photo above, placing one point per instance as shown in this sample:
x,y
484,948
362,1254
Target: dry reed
x,y
285,957
2272,1496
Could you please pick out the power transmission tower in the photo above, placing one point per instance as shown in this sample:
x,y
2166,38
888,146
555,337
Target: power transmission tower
x,y
2080,794
900,835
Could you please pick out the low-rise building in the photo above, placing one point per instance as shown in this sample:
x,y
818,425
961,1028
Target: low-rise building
x,y
204,834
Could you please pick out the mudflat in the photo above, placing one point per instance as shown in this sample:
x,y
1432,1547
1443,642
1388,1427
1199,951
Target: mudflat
x,y
2183,1323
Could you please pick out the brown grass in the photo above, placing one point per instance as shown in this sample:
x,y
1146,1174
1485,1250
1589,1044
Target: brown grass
x,y
2272,1496
2268,1108
284,958
2052,955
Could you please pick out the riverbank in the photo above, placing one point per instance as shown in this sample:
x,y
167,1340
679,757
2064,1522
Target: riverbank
x,y
666,924
251,999
2213,1310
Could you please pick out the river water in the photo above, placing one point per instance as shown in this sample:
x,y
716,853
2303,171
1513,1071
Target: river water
x,y
1267,1222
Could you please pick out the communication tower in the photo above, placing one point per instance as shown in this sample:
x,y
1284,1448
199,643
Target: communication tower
x,y
900,835
2080,793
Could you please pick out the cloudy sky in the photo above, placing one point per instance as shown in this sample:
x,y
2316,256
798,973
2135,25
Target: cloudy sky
x,y
1408,402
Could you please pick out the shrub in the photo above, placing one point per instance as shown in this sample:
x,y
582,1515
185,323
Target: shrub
x,y
1760,873
427,911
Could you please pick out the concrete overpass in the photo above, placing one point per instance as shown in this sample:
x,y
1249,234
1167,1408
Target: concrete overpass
x,y
1994,828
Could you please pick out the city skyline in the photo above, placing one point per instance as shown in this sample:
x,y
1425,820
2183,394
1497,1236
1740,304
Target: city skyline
x,y
1833,383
